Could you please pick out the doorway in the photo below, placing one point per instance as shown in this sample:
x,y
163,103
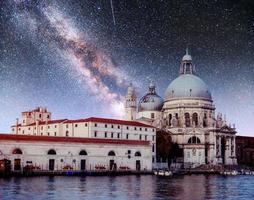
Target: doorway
x,y
17,164
111,165
83,164
138,165
51,164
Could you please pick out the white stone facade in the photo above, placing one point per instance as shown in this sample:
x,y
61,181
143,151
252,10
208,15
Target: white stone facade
x,y
188,114
22,151
128,138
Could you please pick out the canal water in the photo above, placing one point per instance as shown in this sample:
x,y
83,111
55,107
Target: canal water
x,y
128,187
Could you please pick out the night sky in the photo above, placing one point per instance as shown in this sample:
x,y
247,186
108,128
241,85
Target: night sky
x,y
76,58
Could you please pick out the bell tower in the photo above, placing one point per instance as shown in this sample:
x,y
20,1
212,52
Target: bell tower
x,y
130,104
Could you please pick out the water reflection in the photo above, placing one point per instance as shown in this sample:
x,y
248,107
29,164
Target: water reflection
x,y
128,187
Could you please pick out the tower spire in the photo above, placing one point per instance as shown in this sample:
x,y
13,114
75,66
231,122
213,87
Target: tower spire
x,y
187,51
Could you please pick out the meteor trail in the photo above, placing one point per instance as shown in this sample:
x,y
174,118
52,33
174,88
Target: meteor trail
x,y
112,11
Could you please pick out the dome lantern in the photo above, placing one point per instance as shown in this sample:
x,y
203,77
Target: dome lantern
x,y
186,66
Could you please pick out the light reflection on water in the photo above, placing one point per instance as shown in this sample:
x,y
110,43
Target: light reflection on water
x,y
128,187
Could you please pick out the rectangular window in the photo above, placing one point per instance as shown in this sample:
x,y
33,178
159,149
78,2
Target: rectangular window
x,y
112,135
39,115
140,129
48,133
85,124
135,128
23,132
152,115
127,127
67,133
118,127
42,128
153,137
41,133
145,129
29,128
153,148
106,125
118,135
76,125
106,134
140,137
127,136
95,125
95,133
48,116
145,137
55,133
112,126
55,126
48,127
67,126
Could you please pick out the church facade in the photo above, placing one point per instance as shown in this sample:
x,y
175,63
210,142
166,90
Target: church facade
x,y
187,113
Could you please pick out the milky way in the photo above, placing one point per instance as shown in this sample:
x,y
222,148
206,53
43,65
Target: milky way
x,y
76,58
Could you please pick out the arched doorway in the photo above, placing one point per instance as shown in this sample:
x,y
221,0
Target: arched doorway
x,y
51,152
83,153
223,149
17,161
112,164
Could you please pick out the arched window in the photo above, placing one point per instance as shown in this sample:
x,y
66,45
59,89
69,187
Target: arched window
x,y
17,151
111,153
83,153
194,140
51,152
205,120
195,119
137,153
187,119
169,119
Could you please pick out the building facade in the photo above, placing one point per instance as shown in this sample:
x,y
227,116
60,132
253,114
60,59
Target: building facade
x,y
73,153
188,114
81,144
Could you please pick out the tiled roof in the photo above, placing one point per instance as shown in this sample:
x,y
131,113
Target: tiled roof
x,y
93,119
32,138
49,122
109,121
44,122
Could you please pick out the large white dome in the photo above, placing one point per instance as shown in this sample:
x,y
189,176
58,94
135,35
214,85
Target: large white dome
x,y
187,86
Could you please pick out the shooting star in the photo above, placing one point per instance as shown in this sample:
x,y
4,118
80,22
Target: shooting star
x,y
112,11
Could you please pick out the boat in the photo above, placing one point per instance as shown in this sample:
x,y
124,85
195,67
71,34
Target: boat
x,y
229,173
163,173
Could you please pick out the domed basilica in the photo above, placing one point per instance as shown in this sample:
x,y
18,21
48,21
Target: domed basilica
x,y
187,113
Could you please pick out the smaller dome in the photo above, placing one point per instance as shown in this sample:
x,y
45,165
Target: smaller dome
x,y
151,101
187,57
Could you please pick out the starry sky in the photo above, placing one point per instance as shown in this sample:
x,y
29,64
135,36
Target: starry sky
x,y
77,57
